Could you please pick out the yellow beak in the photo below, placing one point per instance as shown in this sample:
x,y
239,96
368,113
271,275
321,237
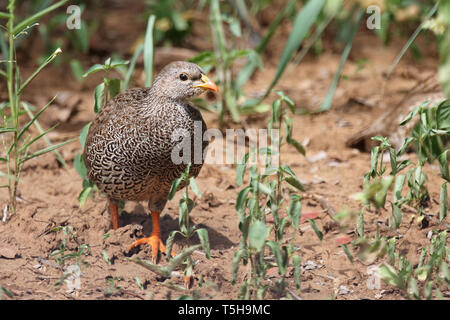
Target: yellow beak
x,y
207,84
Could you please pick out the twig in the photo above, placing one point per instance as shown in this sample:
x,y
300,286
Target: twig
x,y
131,293
293,294
323,203
5,213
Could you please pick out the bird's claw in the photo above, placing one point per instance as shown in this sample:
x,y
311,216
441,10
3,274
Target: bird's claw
x,y
155,243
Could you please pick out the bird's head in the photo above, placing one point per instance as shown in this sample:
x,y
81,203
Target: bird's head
x,y
181,80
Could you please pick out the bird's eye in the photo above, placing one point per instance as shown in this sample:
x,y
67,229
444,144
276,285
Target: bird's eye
x,y
183,77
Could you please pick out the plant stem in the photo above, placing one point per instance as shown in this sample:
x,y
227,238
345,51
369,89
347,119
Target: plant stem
x,y
13,107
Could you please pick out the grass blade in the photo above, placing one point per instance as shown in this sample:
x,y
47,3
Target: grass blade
x,y
47,140
27,145
443,202
131,67
30,20
411,39
326,104
250,67
33,119
303,22
45,150
35,73
149,54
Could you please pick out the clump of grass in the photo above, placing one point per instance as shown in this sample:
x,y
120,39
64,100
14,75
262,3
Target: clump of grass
x,y
428,136
264,195
61,255
18,145
431,272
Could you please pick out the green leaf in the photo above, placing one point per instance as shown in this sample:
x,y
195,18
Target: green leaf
x,y
295,183
99,97
79,165
347,253
247,71
443,115
169,243
203,236
194,187
95,68
294,211
83,134
3,130
77,69
413,113
106,257
84,194
374,160
242,199
390,276
35,17
257,235
398,186
326,104
238,255
404,146
443,166
411,39
149,51
281,261
316,229
45,150
28,144
297,145
303,22
396,216
118,63
33,119
205,59
443,202
296,262
114,87
413,289
130,70
240,169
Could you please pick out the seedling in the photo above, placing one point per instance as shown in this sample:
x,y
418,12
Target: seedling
x,y
261,195
18,146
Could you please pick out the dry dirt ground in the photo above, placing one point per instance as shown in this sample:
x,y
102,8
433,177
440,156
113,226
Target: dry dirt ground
x,y
48,192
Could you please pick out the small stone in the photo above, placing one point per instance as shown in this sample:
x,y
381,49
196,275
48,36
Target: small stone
x,y
8,253
344,290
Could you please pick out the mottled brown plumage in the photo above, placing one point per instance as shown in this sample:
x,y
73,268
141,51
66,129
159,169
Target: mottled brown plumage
x,y
129,145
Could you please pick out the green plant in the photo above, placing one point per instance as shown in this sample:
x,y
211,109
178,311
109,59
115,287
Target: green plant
x,y
61,254
264,193
18,147
5,291
173,20
431,272
428,136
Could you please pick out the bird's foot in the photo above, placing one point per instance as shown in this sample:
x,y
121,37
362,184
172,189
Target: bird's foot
x,y
155,242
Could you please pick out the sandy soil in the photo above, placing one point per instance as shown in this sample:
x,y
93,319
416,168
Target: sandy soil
x,y
48,192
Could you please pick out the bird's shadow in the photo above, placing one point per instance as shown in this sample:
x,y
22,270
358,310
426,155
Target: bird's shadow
x,y
139,215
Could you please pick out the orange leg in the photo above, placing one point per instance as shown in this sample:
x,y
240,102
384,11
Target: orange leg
x,y
154,240
114,215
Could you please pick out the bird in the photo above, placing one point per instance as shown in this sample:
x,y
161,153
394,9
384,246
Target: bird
x,y
129,145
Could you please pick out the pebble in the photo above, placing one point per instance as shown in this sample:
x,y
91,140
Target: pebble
x,y
344,290
8,253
